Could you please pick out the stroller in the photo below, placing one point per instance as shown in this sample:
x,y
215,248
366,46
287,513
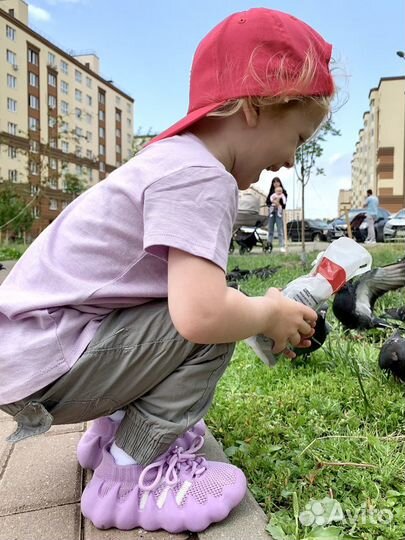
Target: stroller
x,y
249,237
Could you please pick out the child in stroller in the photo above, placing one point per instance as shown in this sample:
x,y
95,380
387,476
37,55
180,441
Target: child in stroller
x,y
248,237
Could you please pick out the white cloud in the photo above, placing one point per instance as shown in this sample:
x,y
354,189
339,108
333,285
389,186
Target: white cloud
x,y
38,14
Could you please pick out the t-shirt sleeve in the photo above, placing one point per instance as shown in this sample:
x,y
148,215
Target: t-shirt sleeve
x,y
192,210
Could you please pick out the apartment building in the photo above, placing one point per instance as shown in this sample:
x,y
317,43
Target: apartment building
x,y
58,116
379,159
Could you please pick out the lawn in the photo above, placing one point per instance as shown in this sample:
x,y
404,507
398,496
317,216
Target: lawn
x,y
320,439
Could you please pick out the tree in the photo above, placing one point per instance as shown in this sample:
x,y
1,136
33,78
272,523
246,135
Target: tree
x,y
74,185
305,161
15,214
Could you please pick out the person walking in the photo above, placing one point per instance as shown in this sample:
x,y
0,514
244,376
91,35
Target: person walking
x,y
276,201
372,203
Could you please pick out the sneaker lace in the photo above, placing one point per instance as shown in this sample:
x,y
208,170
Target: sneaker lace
x,y
172,462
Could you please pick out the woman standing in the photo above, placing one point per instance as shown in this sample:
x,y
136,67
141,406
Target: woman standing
x,y
276,201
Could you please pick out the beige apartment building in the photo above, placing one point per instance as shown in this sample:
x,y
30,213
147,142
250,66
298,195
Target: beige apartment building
x,y
378,161
58,116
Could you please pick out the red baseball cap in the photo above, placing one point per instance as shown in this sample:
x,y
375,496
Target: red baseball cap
x,y
245,49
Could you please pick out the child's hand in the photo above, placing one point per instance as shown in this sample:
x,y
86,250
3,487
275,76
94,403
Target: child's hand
x,y
288,323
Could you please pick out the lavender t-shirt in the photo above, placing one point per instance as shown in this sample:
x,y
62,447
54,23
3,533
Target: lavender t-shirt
x,y
108,249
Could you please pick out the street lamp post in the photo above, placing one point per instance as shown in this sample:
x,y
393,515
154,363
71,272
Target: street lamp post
x,y
401,54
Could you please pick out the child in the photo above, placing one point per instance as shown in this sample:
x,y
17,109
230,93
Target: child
x,y
120,307
277,204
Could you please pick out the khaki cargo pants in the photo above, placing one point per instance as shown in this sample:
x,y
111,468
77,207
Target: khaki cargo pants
x,y
137,361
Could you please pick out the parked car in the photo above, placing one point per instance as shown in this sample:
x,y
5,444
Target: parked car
x,y
394,229
358,225
315,230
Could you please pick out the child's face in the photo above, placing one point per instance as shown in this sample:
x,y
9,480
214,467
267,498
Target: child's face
x,y
271,141
278,191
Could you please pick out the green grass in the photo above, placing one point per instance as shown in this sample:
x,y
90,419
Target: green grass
x,y
11,252
299,430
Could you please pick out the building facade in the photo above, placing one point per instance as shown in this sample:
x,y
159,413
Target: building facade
x,y
379,159
58,117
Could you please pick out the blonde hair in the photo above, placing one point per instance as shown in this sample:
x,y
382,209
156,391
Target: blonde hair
x,y
280,84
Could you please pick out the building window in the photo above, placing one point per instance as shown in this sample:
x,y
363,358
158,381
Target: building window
x,y
129,138
88,82
53,142
10,32
78,95
78,150
101,166
101,132
51,59
35,212
129,122
64,86
89,118
64,107
101,97
12,175
33,79
64,127
33,124
11,57
118,149
51,79
12,152
11,105
101,149
79,170
78,131
11,81
118,133
101,115
89,100
118,116
12,128
33,102
52,102
89,154
88,136
78,112
64,67
33,57
65,147
52,121
53,204
128,107
53,183
78,75
34,146
34,168
53,164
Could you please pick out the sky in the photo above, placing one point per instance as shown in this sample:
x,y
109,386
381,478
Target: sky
x,y
146,48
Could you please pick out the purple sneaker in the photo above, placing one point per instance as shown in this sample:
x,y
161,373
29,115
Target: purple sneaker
x,y
102,432
181,491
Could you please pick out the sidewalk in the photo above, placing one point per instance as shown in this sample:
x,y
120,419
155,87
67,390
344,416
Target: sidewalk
x,y
41,484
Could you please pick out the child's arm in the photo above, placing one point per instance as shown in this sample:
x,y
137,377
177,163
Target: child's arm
x,y
205,310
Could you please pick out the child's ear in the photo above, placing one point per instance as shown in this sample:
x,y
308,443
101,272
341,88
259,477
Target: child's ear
x,y
251,114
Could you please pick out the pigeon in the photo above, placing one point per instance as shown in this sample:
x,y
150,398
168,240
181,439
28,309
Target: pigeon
x,y
392,356
398,314
322,330
354,303
2,267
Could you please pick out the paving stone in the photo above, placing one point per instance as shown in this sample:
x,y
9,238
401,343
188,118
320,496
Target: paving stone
x,y
4,416
60,523
41,472
65,428
91,533
6,428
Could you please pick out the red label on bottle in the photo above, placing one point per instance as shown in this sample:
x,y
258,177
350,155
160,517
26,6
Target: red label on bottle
x,y
333,273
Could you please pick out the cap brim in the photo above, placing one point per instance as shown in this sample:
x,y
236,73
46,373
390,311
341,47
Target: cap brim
x,y
187,121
